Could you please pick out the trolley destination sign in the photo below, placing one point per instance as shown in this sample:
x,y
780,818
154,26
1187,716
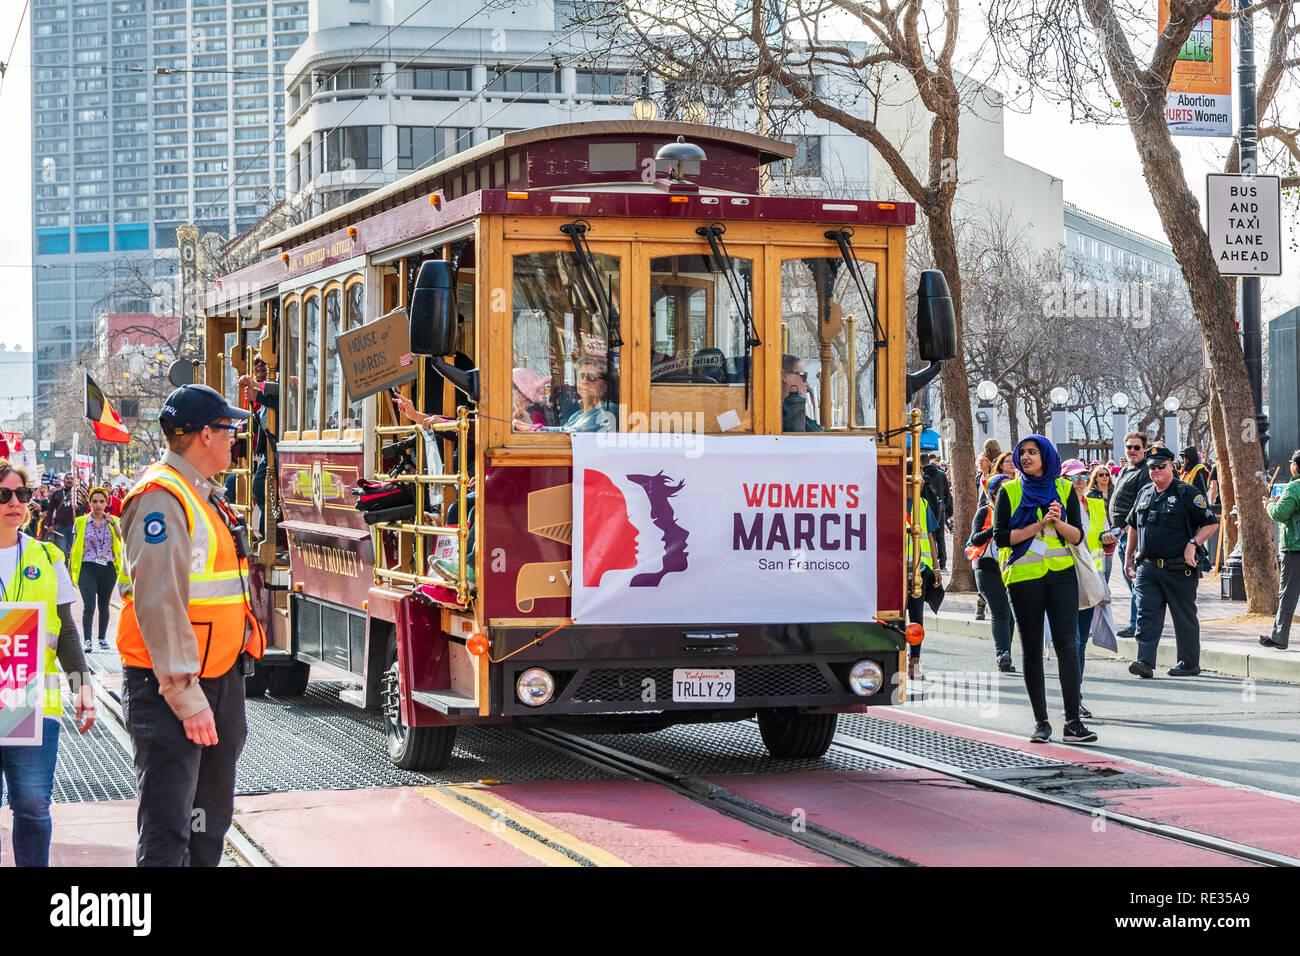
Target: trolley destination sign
x,y
1244,223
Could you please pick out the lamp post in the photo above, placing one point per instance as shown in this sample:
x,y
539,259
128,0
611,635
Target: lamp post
x,y
1172,405
1118,426
645,108
986,392
1060,431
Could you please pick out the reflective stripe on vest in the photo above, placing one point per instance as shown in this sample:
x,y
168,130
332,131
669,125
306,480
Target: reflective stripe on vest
x,y
927,561
1029,565
42,588
978,552
218,611
1096,525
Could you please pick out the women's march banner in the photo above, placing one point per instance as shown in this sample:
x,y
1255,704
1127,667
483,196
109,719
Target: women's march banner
x,y
696,529
22,673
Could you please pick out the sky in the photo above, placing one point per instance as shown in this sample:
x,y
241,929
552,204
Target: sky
x,y
1099,166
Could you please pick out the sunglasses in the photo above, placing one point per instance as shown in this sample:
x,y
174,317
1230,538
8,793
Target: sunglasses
x,y
230,428
590,377
802,375
24,495
1159,467
1133,447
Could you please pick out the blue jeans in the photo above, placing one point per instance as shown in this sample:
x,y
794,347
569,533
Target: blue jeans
x,y
989,582
1133,600
64,535
29,772
1085,628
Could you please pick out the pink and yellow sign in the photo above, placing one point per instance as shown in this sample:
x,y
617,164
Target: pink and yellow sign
x,y
1198,101
22,674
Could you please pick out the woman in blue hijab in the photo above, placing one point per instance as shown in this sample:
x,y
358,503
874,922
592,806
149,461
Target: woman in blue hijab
x,y
1036,515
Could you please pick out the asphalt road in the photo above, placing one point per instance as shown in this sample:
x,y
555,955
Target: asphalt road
x,y
1230,728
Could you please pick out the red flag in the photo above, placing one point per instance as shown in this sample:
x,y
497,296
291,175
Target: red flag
x,y
108,426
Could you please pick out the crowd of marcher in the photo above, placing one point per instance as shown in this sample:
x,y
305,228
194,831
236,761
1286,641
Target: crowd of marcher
x,y
1043,543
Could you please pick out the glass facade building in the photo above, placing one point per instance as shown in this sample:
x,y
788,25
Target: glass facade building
x,y
143,112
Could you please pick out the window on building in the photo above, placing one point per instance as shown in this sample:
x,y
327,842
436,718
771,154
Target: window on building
x,y
353,147
420,146
524,81
433,78
807,160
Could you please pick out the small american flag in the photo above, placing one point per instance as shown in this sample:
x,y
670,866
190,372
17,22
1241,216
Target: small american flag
x,y
405,359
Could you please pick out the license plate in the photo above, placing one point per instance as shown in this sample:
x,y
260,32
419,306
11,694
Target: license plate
x,y
696,686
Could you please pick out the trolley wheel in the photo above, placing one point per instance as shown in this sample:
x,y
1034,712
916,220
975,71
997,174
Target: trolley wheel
x,y
289,681
256,683
788,733
410,748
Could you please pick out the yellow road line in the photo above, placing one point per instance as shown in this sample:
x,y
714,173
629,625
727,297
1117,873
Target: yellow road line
x,y
538,839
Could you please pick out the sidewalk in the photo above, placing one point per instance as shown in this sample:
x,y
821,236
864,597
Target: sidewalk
x,y
1229,636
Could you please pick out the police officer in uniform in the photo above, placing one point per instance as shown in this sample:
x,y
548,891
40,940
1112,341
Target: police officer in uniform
x,y
1169,522
186,635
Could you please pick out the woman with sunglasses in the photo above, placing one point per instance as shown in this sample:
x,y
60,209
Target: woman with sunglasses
x,y
595,414
33,572
96,563
1035,516
794,396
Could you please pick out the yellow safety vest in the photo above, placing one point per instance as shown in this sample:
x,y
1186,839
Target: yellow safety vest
x,y
1096,525
1029,565
79,548
927,560
35,580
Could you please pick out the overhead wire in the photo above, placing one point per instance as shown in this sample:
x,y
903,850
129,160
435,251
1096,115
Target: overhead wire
x,y
18,31
347,66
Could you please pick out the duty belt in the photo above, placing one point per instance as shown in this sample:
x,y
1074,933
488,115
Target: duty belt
x,y
1169,564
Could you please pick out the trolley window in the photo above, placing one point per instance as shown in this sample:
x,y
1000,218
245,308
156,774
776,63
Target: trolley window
x,y
311,364
289,377
354,302
564,375
828,369
333,364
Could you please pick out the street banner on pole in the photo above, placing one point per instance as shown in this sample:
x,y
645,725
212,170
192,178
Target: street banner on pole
x,y
1243,219
22,673
693,529
1198,100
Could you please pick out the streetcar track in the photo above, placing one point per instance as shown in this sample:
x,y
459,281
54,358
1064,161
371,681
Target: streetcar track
x,y
809,835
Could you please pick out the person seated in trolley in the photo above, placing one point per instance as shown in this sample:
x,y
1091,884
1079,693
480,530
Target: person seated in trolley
x,y
794,396
594,414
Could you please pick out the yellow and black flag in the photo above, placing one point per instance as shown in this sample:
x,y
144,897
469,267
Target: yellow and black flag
x,y
108,426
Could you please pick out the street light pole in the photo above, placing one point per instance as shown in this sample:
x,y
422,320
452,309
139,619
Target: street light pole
x,y
1247,144
1118,426
986,392
1172,405
1060,429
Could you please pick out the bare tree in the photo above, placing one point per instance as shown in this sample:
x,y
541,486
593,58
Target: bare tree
x,y
780,64
1097,56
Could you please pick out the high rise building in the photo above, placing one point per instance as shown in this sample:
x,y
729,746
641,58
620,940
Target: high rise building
x,y
143,111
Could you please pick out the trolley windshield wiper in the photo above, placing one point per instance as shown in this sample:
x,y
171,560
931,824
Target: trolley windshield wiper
x,y
602,293
843,239
725,265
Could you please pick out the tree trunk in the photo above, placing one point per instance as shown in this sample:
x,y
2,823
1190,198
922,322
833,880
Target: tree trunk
x,y
1227,523
1215,309
956,403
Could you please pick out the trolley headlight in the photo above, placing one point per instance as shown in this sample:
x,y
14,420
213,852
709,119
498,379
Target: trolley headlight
x,y
536,686
865,678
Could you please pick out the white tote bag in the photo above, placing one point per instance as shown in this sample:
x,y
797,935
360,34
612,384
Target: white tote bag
x,y
1092,587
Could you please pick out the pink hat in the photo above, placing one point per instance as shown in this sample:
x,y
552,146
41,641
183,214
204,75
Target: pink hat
x,y
531,383
1073,467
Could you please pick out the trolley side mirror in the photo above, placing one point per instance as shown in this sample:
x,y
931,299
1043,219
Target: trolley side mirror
x,y
936,320
433,328
936,328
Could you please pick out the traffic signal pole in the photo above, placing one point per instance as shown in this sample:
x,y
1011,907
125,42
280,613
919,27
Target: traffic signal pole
x,y
1247,144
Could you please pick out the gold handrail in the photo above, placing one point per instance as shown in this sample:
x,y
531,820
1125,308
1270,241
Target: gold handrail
x,y
461,480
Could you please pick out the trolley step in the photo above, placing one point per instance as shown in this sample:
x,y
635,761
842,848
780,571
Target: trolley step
x,y
446,702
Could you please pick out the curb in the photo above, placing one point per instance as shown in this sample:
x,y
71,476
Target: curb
x,y
1222,658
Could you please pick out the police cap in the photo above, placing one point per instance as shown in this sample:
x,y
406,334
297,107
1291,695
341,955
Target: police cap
x,y
192,407
1159,453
